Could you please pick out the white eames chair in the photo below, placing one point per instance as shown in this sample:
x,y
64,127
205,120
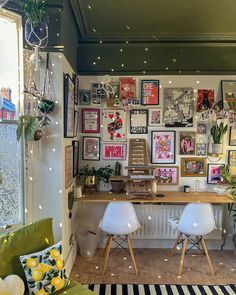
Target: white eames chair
x,y
119,219
196,220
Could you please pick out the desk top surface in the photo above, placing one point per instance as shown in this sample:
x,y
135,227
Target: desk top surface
x,y
168,197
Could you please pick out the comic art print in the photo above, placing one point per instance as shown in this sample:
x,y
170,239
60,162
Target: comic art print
x,y
163,147
114,125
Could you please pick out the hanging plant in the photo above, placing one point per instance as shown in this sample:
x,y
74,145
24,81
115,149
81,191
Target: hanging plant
x,y
28,124
36,11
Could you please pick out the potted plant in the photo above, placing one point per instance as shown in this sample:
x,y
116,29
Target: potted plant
x,y
28,124
117,185
104,173
87,176
217,132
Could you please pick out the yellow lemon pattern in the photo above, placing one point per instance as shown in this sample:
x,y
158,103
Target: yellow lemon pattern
x,y
45,271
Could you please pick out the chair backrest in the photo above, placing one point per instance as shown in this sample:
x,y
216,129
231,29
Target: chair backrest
x,y
119,219
197,219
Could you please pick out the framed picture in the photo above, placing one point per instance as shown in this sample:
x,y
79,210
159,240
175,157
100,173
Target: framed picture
x,y
201,149
114,125
113,93
167,175
139,121
76,88
76,123
150,92
91,148
232,119
75,145
90,120
228,90
84,97
178,107
128,91
69,106
193,167
163,147
201,127
232,162
97,93
232,136
205,99
155,117
112,151
213,173
68,165
187,143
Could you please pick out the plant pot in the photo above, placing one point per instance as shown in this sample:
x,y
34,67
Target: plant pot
x,y
46,106
117,186
38,134
90,180
217,148
36,35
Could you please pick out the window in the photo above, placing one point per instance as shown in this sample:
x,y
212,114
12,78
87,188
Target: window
x,y
11,197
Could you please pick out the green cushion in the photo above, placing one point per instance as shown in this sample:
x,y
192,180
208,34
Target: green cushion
x,y
31,238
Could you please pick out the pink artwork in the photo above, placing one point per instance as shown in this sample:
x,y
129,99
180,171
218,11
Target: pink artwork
x,y
128,90
167,175
163,147
114,151
114,125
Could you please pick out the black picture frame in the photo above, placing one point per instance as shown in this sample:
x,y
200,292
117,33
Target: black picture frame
x,y
76,88
91,148
150,96
140,126
75,144
76,123
69,107
232,142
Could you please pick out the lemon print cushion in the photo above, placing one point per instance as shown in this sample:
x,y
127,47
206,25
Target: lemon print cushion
x,y
44,271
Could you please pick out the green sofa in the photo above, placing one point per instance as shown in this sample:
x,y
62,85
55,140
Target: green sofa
x,y
29,239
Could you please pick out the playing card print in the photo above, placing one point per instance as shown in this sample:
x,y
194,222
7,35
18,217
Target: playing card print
x,y
114,125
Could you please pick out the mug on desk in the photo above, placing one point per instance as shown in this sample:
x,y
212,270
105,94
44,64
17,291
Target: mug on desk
x,y
186,188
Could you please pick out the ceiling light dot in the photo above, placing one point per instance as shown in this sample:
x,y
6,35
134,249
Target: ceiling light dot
x,y
60,224
174,59
94,63
220,263
198,82
54,150
179,277
144,61
130,266
99,57
149,218
60,191
100,41
167,68
121,50
97,267
31,178
58,34
112,70
195,90
144,72
180,72
170,82
26,210
122,65
128,27
165,259
40,207
232,269
89,7
146,49
154,37
94,30
159,277
126,42
112,274
160,86
125,258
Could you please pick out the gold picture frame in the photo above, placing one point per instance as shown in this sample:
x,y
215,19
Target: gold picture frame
x,y
193,167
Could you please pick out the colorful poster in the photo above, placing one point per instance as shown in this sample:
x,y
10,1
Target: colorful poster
x,y
114,125
138,121
114,151
128,91
187,143
214,173
205,99
163,147
150,92
167,175
155,117
90,120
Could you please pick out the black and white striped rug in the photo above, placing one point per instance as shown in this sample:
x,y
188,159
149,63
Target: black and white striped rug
x,y
162,289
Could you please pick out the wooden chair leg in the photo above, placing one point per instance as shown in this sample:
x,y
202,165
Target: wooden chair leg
x,y
181,264
174,247
107,254
207,255
105,249
132,255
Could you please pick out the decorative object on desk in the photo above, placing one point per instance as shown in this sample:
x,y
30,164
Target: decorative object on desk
x,y
90,120
163,147
232,162
214,173
75,145
150,92
228,90
70,203
217,132
167,175
114,125
186,188
69,106
76,123
232,136
114,151
193,167
155,117
91,148
205,99
68,166
75,79
117,185
77,191
201,127
84,97
187,143
139,121
178,107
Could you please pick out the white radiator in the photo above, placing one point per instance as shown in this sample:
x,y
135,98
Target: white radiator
x,y
154,221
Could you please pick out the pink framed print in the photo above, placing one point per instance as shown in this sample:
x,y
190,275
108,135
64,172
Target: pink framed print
x,y
112,151
163,147
128,91
90,120
214,173
155,117
114,125
167,175
187,143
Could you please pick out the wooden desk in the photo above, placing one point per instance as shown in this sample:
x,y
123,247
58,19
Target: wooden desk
x,y
169,198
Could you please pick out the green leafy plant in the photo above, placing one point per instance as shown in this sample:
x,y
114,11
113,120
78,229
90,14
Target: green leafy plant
x,y
102,174
218,131
28,124
36,11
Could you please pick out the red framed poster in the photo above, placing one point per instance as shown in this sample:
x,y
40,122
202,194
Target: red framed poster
x,y
150,92
127,88
205,99
112,151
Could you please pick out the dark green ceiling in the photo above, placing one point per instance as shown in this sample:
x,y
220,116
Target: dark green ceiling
x,y
151,36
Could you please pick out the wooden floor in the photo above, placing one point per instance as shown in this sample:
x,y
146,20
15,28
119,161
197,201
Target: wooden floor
x,y
155,267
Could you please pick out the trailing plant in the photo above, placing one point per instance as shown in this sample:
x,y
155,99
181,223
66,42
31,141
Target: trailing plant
x,y
36,11
218,131
28,124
